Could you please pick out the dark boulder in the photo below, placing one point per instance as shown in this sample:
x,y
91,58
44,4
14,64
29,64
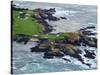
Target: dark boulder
x,y
55,52
37,49
89,54
66,59
80,59
70,49
59,54
88,64
89,27
49,11
43,40
52,18
90,41
77,56
21,38
88,33
43,15
52,10
48,56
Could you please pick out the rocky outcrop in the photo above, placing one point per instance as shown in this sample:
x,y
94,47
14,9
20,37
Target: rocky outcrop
x,y
86,36
90,41
89,54
88,33
88,27
73,52
51,54
52,18
72,38
70,49
21,38
72,41
41,15
39,49
45,14
60,49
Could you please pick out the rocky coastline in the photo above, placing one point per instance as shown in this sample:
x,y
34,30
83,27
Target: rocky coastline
x,y
59,48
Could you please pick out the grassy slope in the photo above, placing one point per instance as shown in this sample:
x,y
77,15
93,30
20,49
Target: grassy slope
x,y
22,26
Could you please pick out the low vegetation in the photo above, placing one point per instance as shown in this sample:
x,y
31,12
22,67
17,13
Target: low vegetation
x,y
25,25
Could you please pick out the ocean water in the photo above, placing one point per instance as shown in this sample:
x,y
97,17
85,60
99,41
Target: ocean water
x,y
78,16
25,62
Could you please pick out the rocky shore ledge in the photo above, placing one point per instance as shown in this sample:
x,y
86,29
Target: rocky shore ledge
x,y
67,46
60,44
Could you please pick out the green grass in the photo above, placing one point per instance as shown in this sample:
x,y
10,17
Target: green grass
x,y
70,35
22,26
52,37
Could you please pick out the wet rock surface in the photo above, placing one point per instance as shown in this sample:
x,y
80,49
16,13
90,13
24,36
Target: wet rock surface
x,y
51,54
37,49
89,54
91,41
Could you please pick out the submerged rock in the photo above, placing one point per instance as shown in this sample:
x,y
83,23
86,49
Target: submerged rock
x,y
63,18
48,56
